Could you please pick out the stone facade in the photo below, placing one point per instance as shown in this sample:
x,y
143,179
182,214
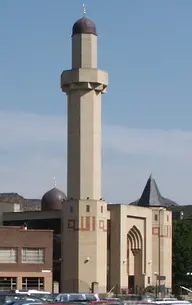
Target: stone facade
x,y
131,253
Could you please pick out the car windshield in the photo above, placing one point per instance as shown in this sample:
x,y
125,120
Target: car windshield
x,y
44,297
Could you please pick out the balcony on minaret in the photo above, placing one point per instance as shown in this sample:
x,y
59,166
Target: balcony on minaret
x,y
88,79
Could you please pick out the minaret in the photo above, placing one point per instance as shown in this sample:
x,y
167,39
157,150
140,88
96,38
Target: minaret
x,y
84,84
84,236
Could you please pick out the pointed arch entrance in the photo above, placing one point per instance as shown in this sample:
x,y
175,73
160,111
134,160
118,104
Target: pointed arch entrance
x,y
134,259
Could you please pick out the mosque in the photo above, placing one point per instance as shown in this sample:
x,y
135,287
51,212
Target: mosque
x,y
103,246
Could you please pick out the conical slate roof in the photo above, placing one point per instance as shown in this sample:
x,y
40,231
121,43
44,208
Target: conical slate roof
x,y
151,196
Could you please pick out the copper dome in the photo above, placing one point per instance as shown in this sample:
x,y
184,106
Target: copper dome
x,y
84,26
52,200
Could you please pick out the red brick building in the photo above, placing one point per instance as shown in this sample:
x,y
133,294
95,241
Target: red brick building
x,y
26,258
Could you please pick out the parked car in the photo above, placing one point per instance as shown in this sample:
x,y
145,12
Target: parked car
x,y
71,297
6,297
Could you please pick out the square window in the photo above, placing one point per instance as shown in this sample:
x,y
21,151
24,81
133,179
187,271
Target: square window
x,y
71,224
33,256
8,255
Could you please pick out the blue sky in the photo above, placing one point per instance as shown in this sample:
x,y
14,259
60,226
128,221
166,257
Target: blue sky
x,y
146,47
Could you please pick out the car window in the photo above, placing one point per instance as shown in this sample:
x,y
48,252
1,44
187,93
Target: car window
x,y
73,297
62,298
90,297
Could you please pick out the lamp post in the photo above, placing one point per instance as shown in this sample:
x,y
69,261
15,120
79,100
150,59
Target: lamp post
x,y
159,248
156,274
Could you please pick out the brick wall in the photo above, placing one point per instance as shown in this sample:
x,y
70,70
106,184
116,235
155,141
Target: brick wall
x,y
15,237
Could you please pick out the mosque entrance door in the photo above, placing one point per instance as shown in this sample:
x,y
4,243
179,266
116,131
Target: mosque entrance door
x,y
134,260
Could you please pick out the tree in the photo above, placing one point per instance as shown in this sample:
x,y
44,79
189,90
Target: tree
x,y
182,253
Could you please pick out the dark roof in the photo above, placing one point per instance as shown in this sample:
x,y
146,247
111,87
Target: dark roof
x,y
25,204
84,26
11,198
151,196
52,200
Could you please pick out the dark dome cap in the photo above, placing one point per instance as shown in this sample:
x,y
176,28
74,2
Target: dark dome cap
x,y
52,200
84,26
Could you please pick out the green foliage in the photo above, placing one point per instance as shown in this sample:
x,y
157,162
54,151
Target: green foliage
x,y
182,252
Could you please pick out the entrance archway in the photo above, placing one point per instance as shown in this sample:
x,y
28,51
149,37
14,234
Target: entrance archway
x,y
134,260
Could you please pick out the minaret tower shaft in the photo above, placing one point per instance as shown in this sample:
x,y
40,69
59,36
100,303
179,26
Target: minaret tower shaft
x,y
84,222
84,84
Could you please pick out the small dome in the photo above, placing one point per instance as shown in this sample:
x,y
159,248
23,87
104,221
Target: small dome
x,y
52,200
84,26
